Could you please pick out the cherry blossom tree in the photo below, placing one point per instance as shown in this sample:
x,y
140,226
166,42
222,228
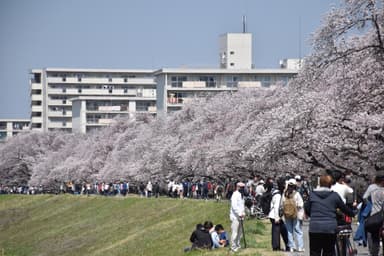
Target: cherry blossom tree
x,y
329,117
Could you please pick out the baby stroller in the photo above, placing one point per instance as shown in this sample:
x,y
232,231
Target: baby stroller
x,y
253,208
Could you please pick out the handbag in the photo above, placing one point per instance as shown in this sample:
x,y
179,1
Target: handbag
x,y
374,222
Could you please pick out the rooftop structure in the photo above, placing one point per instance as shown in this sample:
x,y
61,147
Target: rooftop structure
x,y
236,51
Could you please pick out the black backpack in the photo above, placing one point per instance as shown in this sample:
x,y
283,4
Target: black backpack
x,y
265,202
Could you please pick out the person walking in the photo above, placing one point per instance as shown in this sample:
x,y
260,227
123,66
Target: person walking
x,y
148,189
321,208
293,214
377,199
275,216
236,216
340,186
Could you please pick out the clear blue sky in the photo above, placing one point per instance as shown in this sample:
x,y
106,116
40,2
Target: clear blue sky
x,y
141,34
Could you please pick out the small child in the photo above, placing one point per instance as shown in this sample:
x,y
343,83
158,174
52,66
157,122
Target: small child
x,y
219,237
223,236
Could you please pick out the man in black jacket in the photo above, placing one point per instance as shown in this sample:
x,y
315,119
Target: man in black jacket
x,y
200,238
321,207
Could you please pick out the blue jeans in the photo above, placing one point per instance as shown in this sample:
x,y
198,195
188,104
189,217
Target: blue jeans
x,y
294,228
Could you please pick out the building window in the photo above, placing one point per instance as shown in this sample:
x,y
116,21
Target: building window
x,y
177,81
64,101
79,89
37,78
64,79
64,89
36,125
210,81
36,92
64,123
64,112
231,52
125,80
110,79
232,81
3,135
79,78
125,90
3,126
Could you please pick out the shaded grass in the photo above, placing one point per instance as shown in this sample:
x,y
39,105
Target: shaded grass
x,y
77,225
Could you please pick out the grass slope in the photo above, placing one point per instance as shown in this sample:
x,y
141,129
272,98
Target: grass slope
x,y
77,225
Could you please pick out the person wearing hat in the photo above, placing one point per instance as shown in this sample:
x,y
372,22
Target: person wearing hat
x,y
236,215
260,189
293,208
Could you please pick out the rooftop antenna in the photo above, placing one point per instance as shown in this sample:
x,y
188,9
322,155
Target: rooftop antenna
x,y
300,41
244,24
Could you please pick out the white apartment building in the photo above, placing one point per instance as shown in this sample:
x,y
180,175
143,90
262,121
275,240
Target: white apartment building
x,y
93,112
85,99
54,90
175,87
11,127
178,86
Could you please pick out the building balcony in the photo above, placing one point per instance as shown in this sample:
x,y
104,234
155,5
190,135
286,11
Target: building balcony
x,y
59,102
36,86
103,92
17,127
194,84
67,113
62,125
27,129
100,122
179,101
37,108
101,80
216,88
123,109
249,84
152,109
36,97
36,119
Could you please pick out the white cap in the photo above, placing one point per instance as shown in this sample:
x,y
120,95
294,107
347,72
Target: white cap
x,y
240,184
291,182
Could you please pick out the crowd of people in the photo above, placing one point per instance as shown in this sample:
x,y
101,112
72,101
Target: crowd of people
x,y
328,204
327,201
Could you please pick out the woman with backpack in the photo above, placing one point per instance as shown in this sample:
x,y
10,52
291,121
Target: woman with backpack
x,y
293,209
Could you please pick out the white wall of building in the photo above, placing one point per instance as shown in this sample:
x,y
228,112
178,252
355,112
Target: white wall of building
x,y
236,51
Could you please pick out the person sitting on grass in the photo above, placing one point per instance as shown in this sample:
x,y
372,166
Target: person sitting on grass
x,y
200,238
219,237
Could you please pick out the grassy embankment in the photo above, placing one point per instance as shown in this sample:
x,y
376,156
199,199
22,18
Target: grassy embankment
x,y
79,225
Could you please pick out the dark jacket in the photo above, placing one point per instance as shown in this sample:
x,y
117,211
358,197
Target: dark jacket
x,y
321,207
201,238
